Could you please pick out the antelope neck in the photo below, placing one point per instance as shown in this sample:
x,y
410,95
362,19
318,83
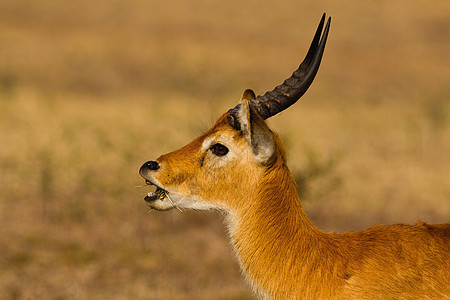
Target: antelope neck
x,y
274,240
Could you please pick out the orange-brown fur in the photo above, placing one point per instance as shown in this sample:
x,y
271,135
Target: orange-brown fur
x,y
281,253
284,252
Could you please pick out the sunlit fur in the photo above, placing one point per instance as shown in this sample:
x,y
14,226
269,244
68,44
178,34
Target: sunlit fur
x,y
280,252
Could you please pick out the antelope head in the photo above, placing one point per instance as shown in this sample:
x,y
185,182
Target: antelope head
x,y
223,168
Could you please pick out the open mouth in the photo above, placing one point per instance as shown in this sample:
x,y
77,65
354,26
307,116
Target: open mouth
x,y
158,194
165,201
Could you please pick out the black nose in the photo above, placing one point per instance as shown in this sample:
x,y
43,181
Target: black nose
x,y
151,165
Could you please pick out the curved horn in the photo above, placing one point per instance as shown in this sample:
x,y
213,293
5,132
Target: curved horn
x,y
295,86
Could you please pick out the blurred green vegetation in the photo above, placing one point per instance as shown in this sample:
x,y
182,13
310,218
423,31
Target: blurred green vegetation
x,y
91,90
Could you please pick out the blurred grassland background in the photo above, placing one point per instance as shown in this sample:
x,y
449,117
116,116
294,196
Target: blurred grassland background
x,y
89,90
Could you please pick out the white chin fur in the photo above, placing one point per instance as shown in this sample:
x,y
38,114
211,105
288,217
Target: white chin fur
x,y
193,203
161,204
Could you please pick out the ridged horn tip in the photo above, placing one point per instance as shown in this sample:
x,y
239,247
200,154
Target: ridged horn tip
x,y
294,87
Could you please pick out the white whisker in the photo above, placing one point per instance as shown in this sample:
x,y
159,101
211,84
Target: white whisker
x,y
171,201
140,186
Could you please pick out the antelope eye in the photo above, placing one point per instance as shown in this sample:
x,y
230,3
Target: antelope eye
x,y
219,149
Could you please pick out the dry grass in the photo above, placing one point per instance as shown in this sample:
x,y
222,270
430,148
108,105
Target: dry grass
x,y
90,90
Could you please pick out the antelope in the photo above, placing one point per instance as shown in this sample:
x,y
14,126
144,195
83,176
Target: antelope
x,y
239,168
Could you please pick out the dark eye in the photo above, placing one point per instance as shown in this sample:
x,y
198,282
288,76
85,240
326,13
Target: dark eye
x,y
219,149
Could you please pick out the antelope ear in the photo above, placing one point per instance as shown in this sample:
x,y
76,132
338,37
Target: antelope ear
x,y
253,127
248,94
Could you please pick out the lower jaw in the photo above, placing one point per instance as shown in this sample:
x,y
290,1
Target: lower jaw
x,y
153,203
